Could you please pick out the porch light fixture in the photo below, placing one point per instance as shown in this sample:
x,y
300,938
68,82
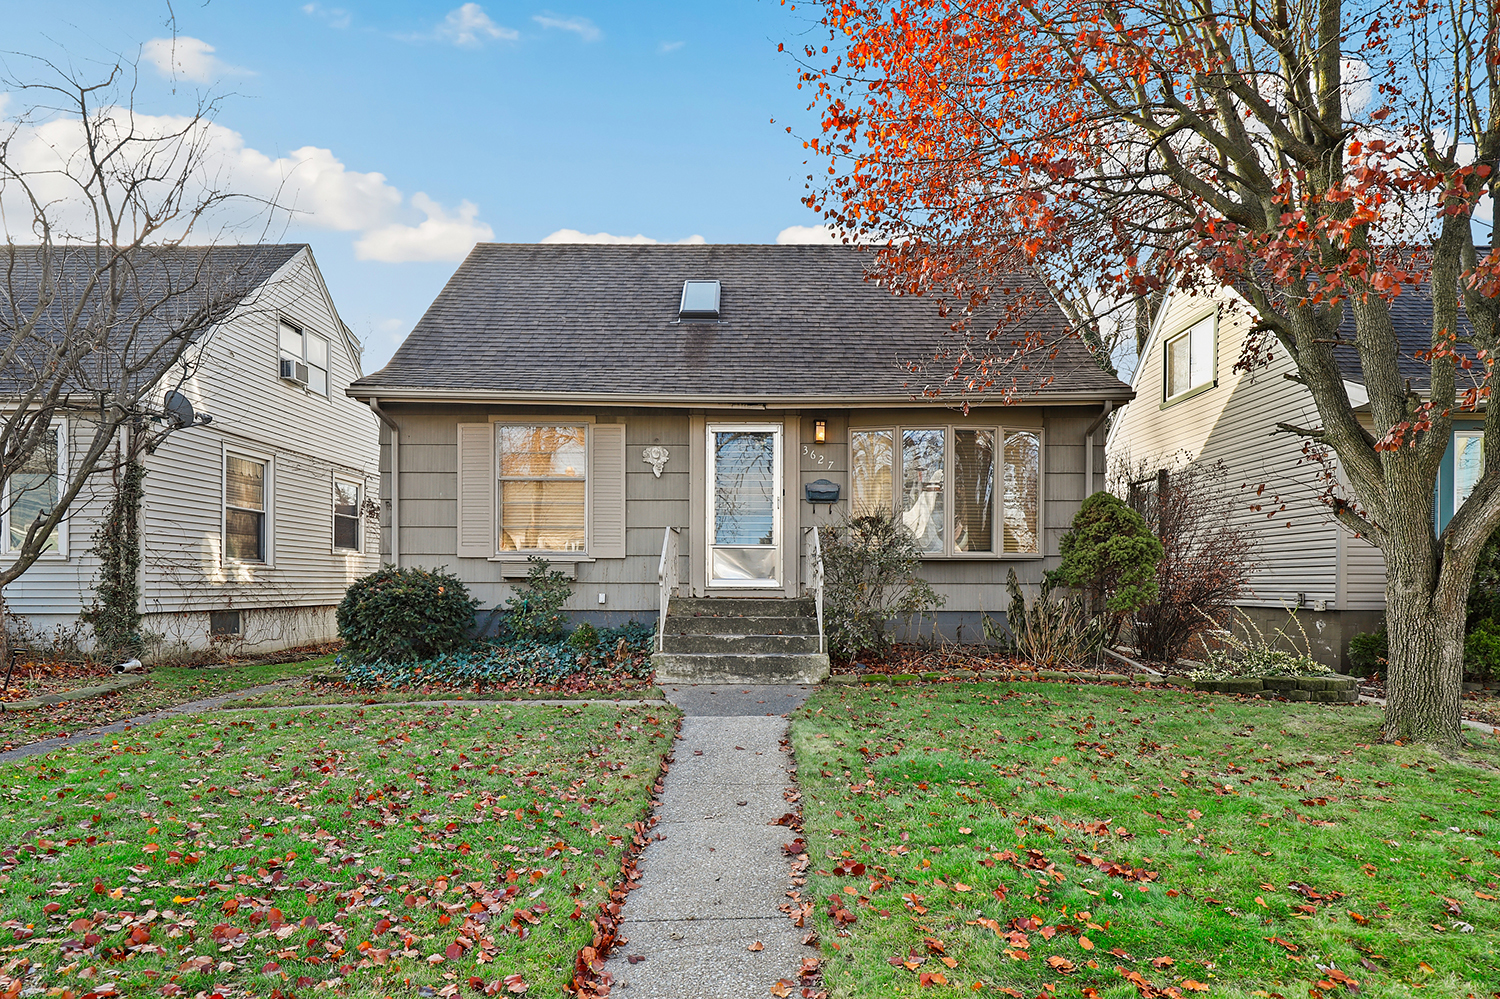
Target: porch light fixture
x,y
820,431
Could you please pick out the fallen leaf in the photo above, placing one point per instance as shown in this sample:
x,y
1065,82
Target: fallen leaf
x,y
1193,986
757,946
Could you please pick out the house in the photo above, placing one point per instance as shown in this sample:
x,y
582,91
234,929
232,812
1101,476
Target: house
x,y
1193,405
252,524
668,423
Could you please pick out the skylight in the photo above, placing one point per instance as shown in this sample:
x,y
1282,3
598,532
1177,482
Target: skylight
x,y
700,300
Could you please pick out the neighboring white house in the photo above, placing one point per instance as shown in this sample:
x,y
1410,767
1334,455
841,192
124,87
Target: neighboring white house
x,y
254,524
1193,405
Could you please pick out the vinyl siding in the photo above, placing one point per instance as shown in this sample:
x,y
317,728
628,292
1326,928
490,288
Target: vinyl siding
x,y
1271,488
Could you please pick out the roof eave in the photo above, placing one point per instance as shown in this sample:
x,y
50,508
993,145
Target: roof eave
x,y
664,399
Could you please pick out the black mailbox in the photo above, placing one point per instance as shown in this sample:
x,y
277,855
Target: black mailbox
x,y
822,491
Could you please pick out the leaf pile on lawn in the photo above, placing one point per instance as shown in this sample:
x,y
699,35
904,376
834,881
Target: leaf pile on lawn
x,y
1104,842
440,850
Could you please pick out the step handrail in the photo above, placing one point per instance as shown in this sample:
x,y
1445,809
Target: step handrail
x,y
814,583
666,581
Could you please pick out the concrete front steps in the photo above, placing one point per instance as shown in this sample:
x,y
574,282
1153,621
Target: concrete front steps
x,y
740,640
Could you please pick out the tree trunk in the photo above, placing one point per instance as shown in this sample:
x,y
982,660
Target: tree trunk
x,y
1424,676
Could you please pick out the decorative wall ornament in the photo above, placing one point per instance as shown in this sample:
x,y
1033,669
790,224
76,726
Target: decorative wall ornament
x,y
656,457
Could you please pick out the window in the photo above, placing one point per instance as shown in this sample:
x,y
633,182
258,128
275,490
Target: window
x,y
941,482
347,497
1190,358
543,496
33,489
1468,464
244,509
700,300
297,345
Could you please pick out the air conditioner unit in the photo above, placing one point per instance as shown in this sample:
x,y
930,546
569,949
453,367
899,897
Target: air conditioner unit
x,y
294,371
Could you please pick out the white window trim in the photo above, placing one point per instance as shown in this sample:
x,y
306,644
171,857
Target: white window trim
x,y
60,428
306,332
1001,435
524,554
359,484
1213,364
269,460
1473,435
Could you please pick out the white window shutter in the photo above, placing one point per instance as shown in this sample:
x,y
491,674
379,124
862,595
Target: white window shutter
x,y
476,490
607,491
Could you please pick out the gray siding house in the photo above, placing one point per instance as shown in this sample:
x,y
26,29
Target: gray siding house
x,y
653,416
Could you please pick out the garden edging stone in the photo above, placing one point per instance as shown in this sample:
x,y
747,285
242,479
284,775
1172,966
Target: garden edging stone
x,y
1336,689
82,694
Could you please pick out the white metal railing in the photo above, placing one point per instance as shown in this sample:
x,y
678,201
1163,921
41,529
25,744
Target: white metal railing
x,y
813,559
666,581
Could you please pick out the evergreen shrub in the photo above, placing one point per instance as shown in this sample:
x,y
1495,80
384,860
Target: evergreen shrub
x,y
405,615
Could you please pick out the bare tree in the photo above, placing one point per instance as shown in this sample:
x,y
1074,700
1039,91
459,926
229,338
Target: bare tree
x,y
103,294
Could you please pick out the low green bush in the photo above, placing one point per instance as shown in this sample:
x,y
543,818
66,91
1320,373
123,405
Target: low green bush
x,y
520,661
403,615
535,610
1482,651
1368,652
1110,555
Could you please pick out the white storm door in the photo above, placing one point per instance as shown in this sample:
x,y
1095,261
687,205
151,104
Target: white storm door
x,y
744,505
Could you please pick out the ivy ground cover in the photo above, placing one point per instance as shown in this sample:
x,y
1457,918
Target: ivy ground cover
x,y
1093,841
377,851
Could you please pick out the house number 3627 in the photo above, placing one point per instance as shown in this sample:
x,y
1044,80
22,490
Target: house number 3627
x,y
818,456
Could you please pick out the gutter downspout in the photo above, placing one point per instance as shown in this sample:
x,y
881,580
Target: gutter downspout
x,y
1088,460
395,479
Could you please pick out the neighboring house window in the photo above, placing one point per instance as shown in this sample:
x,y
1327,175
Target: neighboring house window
x,y
1468,464
245,509
308,349
941,482
347,497
543,492
32,490
1190,358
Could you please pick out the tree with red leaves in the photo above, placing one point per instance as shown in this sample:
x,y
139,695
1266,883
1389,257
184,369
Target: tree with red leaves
x,y
1320,157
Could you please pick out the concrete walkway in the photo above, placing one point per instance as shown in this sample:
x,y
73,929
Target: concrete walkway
x,y
712,882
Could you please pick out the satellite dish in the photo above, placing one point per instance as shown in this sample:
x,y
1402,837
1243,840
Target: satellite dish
x,y
178,408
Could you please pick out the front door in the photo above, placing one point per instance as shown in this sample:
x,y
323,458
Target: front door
x,y
744,505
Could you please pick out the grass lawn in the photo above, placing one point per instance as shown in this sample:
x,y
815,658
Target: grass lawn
x,y
388,851
168,685
1109,842
318,692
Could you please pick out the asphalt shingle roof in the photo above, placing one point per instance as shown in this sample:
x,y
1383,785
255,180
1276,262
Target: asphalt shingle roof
x,y
796,322
163,290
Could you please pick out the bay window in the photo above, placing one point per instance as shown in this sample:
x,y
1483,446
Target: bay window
x,y
942,484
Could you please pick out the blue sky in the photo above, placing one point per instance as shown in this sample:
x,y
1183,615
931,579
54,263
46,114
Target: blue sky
x,y
408,130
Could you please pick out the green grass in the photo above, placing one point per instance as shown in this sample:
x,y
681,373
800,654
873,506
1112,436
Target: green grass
x,y
166,686
392,849
312,692
955,795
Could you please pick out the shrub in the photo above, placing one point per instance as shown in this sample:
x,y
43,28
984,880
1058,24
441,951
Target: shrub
x,y
1206,557
1050,630
1368,652
870,568
402,615
1111,555
585,637
1482,650
1255,656
534,611
1484,591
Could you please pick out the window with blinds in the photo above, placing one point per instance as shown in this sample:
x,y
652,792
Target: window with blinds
x,y
244,509
542,488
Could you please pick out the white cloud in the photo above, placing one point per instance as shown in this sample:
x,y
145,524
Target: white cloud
x,y
580,26
440,237
666,47
337,17
186,58
470,27
574,236
317,188
804,234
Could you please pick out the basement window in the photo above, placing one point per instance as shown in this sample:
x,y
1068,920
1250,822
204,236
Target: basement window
x,y
700,300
